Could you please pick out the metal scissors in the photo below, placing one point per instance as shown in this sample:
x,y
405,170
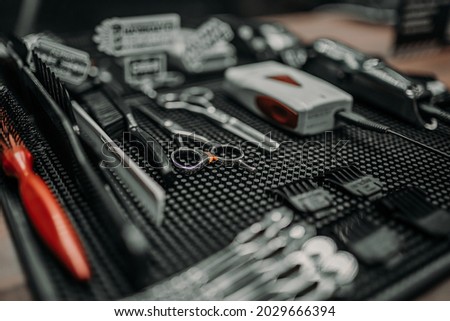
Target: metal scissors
x,y
198,100
193,159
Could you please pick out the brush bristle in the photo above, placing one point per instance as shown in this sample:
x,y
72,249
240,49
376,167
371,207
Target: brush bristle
x,y
9,137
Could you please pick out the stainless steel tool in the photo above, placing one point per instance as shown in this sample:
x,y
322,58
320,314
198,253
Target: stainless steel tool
x,y
193,159
250,239
149,193
198,100
271,260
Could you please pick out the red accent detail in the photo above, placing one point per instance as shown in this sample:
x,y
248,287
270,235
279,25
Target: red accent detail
x,y
277,111
45,212
285,78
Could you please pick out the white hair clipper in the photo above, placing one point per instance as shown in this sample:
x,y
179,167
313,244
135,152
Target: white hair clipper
x,y
287,97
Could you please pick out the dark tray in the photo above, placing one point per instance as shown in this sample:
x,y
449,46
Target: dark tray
x,y
207,209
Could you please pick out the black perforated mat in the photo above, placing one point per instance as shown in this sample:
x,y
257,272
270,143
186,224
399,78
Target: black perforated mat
x,y
205,210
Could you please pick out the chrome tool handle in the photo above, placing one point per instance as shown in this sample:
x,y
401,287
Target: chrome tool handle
x,y
250,134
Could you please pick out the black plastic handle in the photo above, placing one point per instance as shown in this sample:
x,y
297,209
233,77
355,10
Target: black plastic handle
x,y
154,151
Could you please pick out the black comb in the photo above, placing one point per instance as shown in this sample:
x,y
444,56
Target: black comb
x,y
371,243
305,196
354,181
104,112
20,48
54,87
410,204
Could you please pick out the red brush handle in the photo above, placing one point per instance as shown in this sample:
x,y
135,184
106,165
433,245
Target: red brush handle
x,y
46,214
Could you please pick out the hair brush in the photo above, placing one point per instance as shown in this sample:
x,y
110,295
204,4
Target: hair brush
x,y
46,214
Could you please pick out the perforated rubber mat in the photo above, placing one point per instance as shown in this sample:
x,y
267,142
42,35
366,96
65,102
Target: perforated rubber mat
x,y
205,210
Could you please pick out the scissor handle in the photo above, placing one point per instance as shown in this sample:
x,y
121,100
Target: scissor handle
x,y
199,158
170,101
195,159
229,154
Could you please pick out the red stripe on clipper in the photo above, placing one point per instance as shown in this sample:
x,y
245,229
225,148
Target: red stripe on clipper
x,y
285,78
277,111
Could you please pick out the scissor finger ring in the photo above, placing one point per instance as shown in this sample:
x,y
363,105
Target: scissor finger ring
x,y
163,99
229,154
190,159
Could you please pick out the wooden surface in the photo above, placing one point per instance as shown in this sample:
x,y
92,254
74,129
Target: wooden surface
x,y
366,37
372,39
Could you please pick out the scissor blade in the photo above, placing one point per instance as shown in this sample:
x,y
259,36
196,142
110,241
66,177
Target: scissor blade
x,y
149,193
250,134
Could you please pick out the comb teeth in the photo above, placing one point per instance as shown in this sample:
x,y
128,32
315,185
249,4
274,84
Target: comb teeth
x,y
53,86
354,181
104,112
305,196
344,175
298,187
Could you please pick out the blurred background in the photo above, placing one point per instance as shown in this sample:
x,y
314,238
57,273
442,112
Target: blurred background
x,y
68,15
